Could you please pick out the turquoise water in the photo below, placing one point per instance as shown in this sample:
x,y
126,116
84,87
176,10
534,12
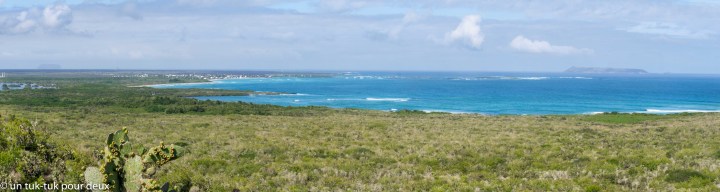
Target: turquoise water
x,y
486,93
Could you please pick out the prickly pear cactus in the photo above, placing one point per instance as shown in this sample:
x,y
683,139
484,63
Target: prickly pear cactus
x,y
112,175
128,168
160,155
133,173
93,176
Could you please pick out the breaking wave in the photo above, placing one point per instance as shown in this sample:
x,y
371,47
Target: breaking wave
x,y
388,99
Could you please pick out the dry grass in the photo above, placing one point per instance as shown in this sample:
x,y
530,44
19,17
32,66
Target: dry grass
x,y
377,151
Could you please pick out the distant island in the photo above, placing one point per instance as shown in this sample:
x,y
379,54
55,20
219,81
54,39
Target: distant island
x,y
604,70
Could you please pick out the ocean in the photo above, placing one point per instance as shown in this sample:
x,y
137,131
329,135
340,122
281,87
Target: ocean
x,y
484,93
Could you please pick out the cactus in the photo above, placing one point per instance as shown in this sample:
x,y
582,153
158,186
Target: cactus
x,y
161,155
93,176
133,173
126,167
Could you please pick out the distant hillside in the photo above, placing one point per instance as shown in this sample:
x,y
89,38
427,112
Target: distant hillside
x,y
604,70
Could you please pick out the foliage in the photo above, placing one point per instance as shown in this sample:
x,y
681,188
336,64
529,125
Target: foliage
x,y
390,152
27,156
620,118
416,112
129,167
683,175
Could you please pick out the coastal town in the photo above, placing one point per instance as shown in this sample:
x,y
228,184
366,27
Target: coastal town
x,y
6,86
211,75
8,83
200,74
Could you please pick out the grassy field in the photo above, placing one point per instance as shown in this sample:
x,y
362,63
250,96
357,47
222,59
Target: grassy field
x,y
320,149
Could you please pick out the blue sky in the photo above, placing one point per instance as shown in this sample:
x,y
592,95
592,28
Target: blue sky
x,y
661,36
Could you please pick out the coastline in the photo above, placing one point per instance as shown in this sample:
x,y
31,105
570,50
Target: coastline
x,y
208,81
243,93
171,84
649,110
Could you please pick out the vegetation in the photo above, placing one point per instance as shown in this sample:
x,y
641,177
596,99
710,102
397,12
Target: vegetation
x,y
270,148
27,156
127,167
620,118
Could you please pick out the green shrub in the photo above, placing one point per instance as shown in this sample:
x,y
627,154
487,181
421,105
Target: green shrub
x,y
593,188
26,155
628,118
360,152
683,175
209,165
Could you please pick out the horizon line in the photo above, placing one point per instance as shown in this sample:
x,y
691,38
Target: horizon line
x,y
326,70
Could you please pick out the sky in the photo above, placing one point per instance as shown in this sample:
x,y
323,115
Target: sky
x,y
660,36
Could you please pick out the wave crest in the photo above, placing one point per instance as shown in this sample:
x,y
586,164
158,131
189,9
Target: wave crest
x,y
388,99
661,111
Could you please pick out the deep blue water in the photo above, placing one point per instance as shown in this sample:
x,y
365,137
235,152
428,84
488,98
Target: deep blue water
x,y
487,93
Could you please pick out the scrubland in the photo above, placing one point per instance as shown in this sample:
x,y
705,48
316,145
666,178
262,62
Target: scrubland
x,y
271,148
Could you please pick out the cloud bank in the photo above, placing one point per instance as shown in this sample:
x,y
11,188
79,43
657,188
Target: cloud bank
x,y
523,44
361,34
668,29
52,18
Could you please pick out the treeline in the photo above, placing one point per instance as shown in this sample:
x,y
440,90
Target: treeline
x,y
170,101
178,105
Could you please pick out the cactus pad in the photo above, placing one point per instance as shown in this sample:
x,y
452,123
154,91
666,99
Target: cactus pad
x,y
133,173
162,154
93,176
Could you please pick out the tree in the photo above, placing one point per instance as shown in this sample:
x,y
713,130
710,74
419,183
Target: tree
x,y
5,87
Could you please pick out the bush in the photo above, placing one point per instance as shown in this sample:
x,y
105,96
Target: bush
x,y
682,175
26,155
593,188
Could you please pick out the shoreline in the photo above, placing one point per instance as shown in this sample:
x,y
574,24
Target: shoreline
x,y
209,81
170,84
650,111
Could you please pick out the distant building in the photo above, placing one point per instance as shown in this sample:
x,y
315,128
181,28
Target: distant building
x,y
4,86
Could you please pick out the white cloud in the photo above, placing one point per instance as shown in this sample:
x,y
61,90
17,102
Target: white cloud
x,y
468,31
669,29
411,16
393,32
51,18
538,46
57,16
408,18
222,35
22,23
